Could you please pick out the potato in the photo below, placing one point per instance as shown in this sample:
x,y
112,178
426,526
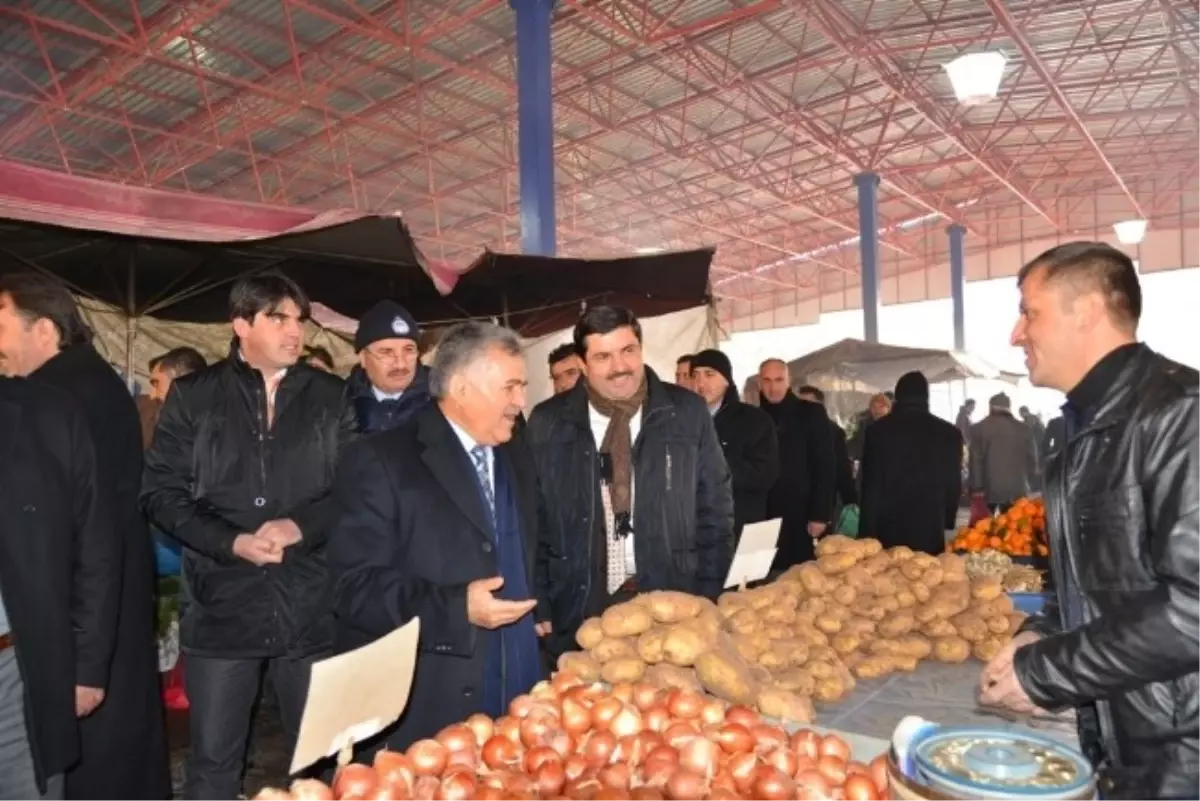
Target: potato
x,y
747,646
812,606
778,632
611,648
914,645
727,677
785,706
837,543
985,650
951,649
885,647
845,643
796,680
623,669
782,614
828,622
743,621
970,626
933,575
997,624
626,620
952,563
858,578
986,587
897,624
905,663
900,553
583,666
872,609
666,606
912,570
683,644
835,563
812,579
820,669
830,690
811,635
874,565
888,603
845,595
708,623
650,645
883,585
666,676
870,546
823,653
862,626
1000,606
920,592
590,634
852,660
939,628
874,667
906,599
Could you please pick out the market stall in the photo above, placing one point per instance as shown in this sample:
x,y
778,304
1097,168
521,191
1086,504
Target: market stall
x,y
793,689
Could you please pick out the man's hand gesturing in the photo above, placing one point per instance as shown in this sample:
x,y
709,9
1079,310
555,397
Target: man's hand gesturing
x,y
487,611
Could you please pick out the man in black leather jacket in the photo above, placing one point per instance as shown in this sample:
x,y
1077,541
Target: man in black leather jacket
x,y
634,492
240,472
1119,640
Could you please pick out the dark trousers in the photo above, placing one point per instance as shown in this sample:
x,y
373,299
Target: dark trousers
x,y
221,693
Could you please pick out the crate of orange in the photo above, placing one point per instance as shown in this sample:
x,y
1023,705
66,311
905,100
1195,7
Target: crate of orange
x,y
1019,532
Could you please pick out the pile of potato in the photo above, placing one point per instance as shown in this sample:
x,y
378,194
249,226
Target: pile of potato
x,y
856,611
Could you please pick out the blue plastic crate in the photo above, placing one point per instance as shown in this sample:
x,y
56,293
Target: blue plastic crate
x,y
1031,603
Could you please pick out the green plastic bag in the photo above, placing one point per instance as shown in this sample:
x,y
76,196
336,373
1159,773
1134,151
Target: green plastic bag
x,y
847,523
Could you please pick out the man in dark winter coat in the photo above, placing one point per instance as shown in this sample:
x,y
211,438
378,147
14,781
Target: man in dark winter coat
x,y
803,493
1119,640
747,437
911,474
846,488
240,471
1003,456
123,744
60,576
634,493
389,384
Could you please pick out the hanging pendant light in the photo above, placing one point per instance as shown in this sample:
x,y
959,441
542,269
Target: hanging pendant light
x,y
1130,232
976,77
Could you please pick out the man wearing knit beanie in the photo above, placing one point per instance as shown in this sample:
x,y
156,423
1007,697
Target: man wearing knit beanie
x,y
746,433
389,383
911,473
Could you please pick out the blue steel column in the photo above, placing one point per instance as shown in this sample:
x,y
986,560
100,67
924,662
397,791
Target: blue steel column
x,y
868,244
958,284
535,119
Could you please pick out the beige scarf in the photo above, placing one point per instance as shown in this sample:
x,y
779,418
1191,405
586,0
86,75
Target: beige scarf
x,y
618,444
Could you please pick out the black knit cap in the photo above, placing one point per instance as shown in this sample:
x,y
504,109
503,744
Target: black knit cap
x,y
387,319
714,359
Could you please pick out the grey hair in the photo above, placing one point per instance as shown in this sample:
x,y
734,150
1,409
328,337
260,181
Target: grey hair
x,y
462,346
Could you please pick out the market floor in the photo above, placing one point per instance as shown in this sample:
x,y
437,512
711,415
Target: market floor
x,y
267,762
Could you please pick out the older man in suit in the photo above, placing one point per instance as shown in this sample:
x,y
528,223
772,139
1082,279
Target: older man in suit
x,y
438,521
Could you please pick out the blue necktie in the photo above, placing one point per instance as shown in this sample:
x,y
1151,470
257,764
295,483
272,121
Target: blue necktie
x,y
479,457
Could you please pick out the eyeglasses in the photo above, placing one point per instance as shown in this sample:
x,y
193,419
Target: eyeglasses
x,y
387,355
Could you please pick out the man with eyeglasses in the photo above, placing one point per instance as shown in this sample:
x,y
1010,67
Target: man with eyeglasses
x,y
389,383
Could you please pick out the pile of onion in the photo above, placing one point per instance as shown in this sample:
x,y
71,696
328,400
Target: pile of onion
x,y
568,739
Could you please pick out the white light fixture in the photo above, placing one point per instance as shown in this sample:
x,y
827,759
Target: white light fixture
x,y
1130,232
976,77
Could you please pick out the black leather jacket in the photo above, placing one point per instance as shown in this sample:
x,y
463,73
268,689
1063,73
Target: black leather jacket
x,y
1120,639
683,503
216,470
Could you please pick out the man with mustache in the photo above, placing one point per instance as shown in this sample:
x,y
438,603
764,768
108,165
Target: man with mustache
x,y
634,491
389,384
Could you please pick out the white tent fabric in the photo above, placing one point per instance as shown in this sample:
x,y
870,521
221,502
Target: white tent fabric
x,y
664,339
154,337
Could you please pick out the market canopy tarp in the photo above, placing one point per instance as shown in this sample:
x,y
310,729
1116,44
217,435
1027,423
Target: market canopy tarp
x,y
875,367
